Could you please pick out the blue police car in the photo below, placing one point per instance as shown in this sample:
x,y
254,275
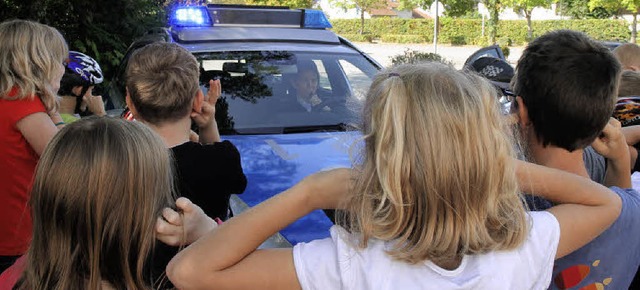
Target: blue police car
x,y
292,92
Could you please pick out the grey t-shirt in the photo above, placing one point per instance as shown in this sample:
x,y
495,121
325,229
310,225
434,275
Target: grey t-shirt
x,y
595,164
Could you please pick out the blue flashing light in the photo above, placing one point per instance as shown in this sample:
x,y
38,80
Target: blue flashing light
x,y
316,19
190,16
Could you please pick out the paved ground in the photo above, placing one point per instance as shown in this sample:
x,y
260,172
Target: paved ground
x,y
383,52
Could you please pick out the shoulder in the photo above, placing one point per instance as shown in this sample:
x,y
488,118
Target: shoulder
x,y
18,109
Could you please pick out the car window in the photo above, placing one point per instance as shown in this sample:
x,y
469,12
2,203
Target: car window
x,y
261,89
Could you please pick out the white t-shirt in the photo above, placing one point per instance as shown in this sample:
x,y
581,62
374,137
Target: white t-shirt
x,y
332,263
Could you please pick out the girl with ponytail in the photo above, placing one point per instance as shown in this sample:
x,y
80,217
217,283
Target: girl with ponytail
x,y
433,203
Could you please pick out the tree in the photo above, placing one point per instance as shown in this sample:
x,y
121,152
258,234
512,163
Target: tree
x,y
494,7
362,6
102,29
288,3
453,8
526,7
620,6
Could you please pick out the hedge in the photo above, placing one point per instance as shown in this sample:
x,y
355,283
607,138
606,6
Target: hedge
x,y
469,31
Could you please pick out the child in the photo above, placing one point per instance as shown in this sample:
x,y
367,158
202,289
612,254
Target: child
x,y
434,204
628,54
163,92
31,57
566,87
93,222
82,73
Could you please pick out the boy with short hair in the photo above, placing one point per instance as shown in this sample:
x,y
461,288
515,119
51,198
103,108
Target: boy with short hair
x,y
163,92
566,87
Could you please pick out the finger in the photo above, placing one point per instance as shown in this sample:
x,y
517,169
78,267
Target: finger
x,y
166,229
615,123
184,204
172,217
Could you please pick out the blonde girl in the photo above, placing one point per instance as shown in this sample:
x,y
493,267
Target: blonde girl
x,y
31,66
433,204
99,188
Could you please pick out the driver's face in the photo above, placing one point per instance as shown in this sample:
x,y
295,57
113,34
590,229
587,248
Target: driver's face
x,y
306,83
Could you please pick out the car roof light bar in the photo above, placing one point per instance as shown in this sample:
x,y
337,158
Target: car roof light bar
x,y
190,16
315,19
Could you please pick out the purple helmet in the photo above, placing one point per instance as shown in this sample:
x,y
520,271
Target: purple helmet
x,y
84,66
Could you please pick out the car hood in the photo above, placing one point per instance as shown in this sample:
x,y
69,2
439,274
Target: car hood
x,y
274,163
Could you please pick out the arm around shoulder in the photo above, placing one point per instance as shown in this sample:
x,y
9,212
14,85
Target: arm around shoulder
x,y
584,208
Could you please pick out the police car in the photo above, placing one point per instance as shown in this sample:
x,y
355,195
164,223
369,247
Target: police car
x,y
260,54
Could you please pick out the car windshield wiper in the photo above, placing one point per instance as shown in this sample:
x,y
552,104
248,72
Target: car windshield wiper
x,y
340,127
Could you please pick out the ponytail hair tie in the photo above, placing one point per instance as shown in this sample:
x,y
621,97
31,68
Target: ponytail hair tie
x,y
393,74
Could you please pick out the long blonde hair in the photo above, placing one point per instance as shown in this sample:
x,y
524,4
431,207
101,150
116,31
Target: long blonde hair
x,y
99,187
30,55
436,177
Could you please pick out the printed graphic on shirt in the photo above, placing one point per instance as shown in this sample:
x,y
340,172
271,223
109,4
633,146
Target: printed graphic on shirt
x,y
573,275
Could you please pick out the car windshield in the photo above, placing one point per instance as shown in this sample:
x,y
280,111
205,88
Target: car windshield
x,y
266,92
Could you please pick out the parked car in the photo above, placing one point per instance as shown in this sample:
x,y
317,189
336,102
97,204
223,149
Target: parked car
x,y
256,53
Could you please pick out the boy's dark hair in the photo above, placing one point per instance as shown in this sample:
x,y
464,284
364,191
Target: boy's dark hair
x,y
569,84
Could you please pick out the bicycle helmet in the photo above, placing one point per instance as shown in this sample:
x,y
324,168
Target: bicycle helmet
x,y
80,70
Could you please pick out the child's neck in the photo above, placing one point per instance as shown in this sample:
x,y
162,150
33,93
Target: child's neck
x,y
67,105
558,158
173,133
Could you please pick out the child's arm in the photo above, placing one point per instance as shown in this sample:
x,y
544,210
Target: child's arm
x,y
585,208
38,129
206,118
176,230
227,257
613,146
631,134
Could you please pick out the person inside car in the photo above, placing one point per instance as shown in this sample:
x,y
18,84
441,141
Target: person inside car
x,y
565,87
94,222
82,74
162,81
304,92
433,204
31,57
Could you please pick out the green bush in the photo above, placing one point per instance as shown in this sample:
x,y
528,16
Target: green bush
x,y
357,37
412,56
403,38
458,31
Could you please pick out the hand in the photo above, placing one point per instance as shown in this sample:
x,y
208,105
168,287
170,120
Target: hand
x,y
193,136
611,143
207,115
328,189
95,104
177,229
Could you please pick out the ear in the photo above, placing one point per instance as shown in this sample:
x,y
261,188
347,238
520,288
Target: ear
x,y
197,102
523,112
130,105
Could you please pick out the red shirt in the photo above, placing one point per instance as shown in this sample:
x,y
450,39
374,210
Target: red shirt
x,y
10,276
17,166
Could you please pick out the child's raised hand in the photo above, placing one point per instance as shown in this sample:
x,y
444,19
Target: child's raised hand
x,y
177,229
611,143
206,116
95,104
328,189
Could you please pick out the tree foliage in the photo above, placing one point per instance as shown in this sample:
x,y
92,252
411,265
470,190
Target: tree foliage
x,y
579,9
619,7
453,8
102,29
526,7
361,5
494,7
288,3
